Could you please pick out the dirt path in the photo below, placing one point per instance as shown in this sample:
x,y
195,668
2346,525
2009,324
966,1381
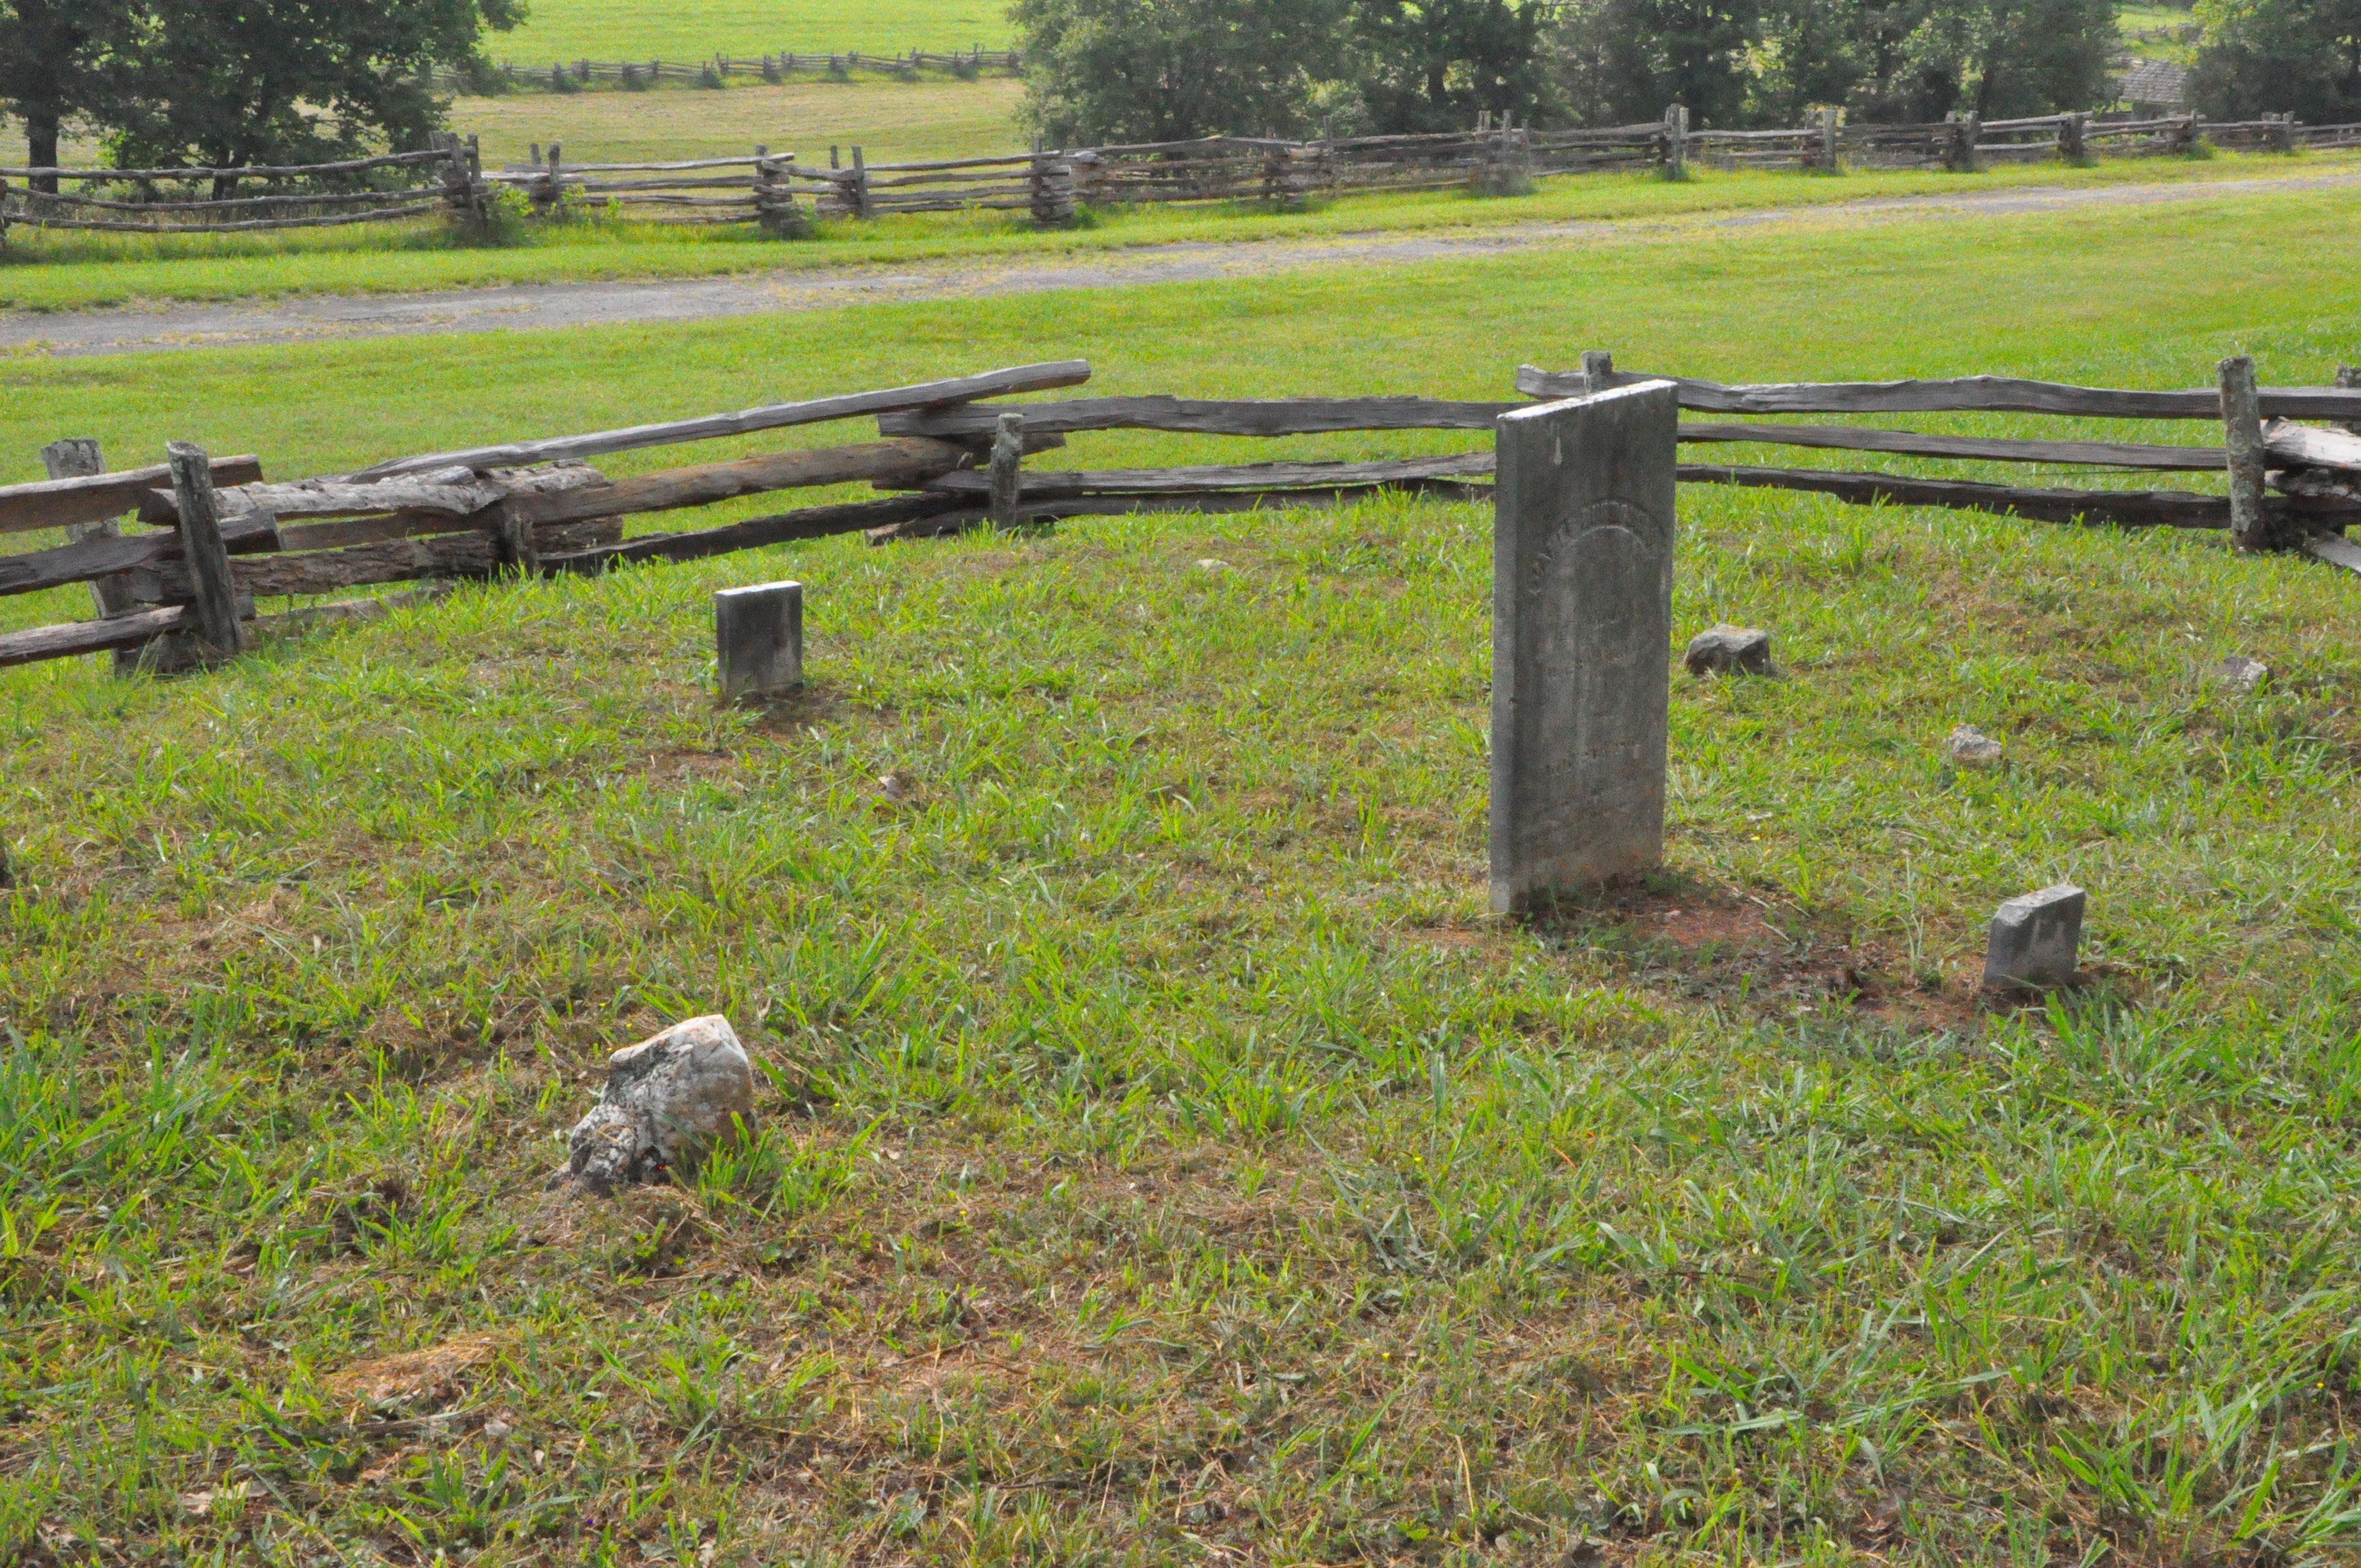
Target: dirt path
x,y
548,305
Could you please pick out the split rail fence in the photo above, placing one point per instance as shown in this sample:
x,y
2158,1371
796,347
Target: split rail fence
x,y
219,538
400,187
720,70
784,193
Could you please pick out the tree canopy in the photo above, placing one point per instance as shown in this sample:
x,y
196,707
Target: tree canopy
x,y
224,83
1139,71
2276,57
1167,70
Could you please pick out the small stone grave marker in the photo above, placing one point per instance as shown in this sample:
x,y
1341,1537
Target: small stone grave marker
x,y
758,633
2035,940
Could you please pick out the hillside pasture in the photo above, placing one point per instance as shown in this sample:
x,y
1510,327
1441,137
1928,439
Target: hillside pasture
x,y
892,121
689,31
1166,1157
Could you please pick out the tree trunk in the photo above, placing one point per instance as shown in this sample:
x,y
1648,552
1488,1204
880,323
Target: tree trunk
x,y
41,148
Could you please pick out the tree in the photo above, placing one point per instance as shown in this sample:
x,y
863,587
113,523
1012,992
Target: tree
x,y
2277,57
1116,70
51,54
1435,65
2003,59
223,85
1626,61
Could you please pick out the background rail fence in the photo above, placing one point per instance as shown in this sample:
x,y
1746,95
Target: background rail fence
x,y
217,538
442,180
760,188
720,70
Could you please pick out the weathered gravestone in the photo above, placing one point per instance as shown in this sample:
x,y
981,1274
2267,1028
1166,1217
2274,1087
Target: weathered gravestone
x,y
2035,939
758,637
1582,627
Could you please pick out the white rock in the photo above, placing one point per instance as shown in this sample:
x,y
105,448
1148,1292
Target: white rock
x,y
669,1101
2247,674
1214,563
1968,747
1724,649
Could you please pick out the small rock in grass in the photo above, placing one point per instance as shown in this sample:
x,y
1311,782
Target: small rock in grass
x,y
1725,650
1214,563
2238,671
899,787
669,1101
1968,747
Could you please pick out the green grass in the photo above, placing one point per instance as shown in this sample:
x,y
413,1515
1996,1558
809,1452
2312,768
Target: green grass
x,y
697,29
893,121
59,273
1167,1160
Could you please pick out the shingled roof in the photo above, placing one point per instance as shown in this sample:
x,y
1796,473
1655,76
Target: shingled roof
x,y
2155,82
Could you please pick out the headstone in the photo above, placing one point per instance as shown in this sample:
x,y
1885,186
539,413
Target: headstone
x,y
2034,939
1582,627
1729,649
758,633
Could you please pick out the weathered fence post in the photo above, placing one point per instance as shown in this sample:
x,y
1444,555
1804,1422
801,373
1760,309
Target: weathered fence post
x,y
860,208
1828,154
775,196
1582,607
758,639
2278,133
462,185
213,591
549,191
1051,182
1008,472
1966,158
2348,376
2242,427
2075,137
75,458
1676,142
1597,369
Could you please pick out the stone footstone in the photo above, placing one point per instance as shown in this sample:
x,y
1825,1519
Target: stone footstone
x,y
669,1103
1968,747
758,637
2035,940
1724,649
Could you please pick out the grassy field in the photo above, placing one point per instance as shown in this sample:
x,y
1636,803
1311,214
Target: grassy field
x,y
1166,1159
697,29
893,121
42,272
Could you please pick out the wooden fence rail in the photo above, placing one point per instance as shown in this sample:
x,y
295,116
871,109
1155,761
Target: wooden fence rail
x,y
226,539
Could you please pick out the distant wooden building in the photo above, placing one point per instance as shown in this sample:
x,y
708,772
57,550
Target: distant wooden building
x,y
2155,87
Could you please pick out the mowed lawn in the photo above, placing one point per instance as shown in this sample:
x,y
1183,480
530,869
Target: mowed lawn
x,y
54,273
685,30
1165,1158
890,121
